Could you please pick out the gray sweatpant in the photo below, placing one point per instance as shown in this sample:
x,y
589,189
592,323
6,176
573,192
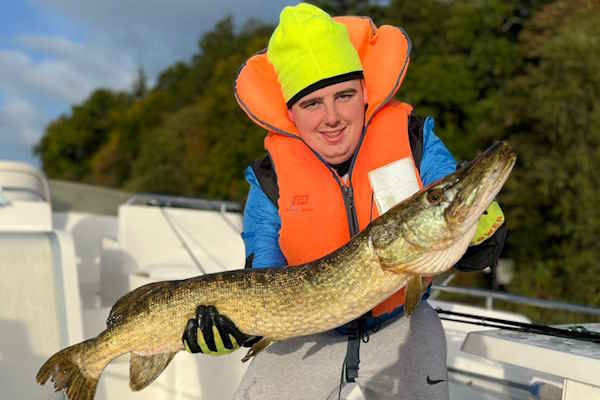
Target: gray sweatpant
x,y
405,359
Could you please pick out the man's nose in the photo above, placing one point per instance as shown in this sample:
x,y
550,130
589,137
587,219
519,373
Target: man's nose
x,y
332,118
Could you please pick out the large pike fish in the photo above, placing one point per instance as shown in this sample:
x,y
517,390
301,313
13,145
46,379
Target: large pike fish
x,y
423,236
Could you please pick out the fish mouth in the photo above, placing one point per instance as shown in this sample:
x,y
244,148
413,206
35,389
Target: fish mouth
x,y
477,183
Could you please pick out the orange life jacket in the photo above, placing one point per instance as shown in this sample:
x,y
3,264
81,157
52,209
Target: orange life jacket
x,y
314,215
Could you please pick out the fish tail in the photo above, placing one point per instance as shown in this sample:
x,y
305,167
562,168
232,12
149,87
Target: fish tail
x,y
65,370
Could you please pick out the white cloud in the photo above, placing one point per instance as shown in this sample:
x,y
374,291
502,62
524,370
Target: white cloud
x,y
156,33
67,73
42,76
101,63
21,125
21,116
48,74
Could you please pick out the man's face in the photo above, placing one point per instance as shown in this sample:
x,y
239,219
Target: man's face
x,y
330,120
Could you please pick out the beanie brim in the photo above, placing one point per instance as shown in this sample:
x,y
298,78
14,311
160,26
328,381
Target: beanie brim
x,y
324,83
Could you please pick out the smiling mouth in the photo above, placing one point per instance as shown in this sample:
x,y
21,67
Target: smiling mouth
x,y
333,134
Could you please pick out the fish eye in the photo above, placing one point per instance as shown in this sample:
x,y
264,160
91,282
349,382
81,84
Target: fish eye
x,y
435,196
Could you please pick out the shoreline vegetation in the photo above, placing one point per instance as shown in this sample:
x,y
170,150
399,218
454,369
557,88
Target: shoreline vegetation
x,y
521,71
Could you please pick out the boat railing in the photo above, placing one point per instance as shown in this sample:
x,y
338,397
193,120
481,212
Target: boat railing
x,y
490,296
159,200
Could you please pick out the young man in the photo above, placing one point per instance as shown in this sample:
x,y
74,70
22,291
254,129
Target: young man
x,y
341,152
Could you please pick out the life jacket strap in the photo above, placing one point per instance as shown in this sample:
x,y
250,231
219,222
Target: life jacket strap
x,y
358,333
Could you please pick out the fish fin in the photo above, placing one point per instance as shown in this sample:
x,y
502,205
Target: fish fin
x,y
395,269
143,370
66,372
257,348
124,305
414,291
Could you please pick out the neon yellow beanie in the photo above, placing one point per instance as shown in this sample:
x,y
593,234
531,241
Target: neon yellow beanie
x,y
310,50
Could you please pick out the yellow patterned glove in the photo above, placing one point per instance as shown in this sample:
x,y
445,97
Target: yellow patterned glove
x,y
212,333
488,223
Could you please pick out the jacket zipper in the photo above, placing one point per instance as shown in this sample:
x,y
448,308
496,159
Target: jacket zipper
x,y
347,192
350,210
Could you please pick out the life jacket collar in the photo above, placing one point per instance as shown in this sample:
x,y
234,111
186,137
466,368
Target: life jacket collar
x,y
384,53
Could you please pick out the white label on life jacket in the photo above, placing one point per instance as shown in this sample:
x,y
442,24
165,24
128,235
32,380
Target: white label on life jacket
x,y
393,183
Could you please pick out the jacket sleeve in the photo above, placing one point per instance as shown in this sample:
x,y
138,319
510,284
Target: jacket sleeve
x,y
261,227
437,162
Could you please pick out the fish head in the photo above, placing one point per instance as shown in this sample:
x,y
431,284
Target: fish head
x,y
433,228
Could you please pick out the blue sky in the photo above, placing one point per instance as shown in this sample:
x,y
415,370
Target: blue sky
x,y
53,53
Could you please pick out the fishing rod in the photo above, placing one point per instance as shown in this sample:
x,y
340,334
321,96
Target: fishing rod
x,y
575,332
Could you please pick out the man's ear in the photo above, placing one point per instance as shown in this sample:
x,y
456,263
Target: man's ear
x,y
291,115
364,89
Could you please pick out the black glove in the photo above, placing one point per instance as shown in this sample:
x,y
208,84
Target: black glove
x,y
485,254
213,333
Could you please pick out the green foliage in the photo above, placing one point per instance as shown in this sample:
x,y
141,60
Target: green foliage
x,y
523,71
70,142
111,165
463,53
184,136
551,111
201,147
140,86
351,7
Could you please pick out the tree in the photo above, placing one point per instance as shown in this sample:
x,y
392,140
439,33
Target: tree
x,y
70,142
551,112
350,7
140,86
463,53
112,163
203,148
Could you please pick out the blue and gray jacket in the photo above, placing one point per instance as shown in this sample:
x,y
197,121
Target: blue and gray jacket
x,y
261,224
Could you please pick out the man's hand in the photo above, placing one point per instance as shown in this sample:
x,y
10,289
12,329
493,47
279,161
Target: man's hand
x,y
488,223
486,246
213,333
